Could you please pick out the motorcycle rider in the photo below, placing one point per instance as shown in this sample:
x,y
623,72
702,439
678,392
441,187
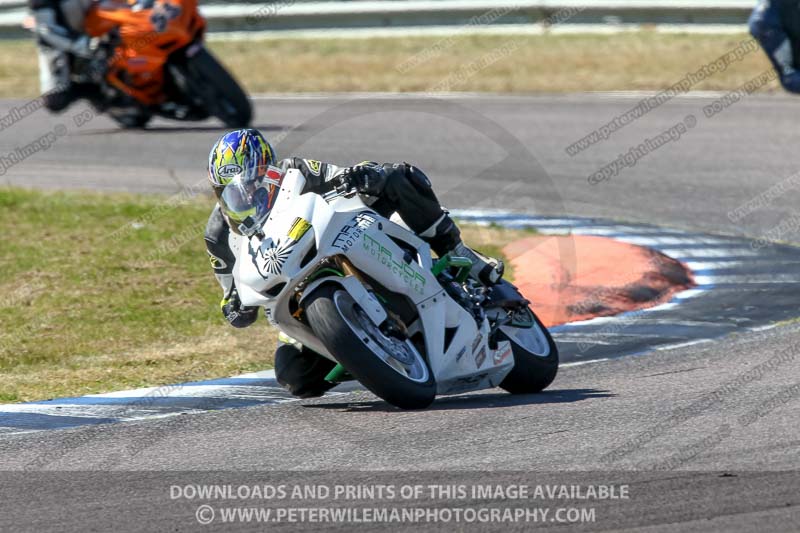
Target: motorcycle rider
x,y
387,188
59,28
776,25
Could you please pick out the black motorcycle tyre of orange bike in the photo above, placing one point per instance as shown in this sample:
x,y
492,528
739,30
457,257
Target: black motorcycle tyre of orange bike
x,y
216,88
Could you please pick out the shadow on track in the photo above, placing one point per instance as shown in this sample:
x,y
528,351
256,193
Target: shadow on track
x,y
200,128
476,401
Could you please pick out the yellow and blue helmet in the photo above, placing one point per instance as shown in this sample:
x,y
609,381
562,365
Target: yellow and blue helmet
x,y
244,153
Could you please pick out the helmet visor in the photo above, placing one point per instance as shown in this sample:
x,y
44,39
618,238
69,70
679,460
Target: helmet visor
x,y
250,197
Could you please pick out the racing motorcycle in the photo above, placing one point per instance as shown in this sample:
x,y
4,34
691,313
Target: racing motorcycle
x,y
366,292
151,61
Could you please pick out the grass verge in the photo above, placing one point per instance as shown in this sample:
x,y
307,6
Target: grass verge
x,y
642,60
108,292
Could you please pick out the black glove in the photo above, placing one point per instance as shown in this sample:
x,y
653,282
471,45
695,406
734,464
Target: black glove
x,y
369,179
235,313
86,47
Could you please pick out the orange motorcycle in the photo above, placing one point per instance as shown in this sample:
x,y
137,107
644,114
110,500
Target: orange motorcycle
x,y
155,63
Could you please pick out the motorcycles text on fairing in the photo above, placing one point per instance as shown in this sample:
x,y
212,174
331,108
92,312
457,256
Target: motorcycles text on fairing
x,y
155,64
367,293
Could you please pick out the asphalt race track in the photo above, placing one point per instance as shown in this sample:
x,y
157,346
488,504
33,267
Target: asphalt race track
x,y
706,434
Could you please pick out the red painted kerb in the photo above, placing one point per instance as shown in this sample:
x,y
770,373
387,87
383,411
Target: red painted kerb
x,y
571,278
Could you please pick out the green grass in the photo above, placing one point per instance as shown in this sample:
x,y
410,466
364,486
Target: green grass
x,y
106,292
19,69
92,303
643,60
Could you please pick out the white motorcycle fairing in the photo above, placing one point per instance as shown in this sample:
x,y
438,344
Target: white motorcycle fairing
x,y
303,231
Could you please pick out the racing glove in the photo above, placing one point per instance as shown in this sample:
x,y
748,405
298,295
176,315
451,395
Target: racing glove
x,y
235,313
85,47
365,178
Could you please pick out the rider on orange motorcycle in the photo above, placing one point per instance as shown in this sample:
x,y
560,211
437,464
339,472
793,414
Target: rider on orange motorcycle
x,y
61,38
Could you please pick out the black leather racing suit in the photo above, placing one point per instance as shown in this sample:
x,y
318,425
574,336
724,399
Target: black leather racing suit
x,y
404,190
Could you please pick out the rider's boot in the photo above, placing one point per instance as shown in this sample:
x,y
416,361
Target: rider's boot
x,y
301,370
445,238
60,99
488,270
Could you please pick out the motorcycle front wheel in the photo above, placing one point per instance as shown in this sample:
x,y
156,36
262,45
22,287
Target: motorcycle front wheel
x,y
391,368
204,78
133,119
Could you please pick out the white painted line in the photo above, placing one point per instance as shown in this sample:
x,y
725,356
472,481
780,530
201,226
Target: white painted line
x,y
690,293
682,344
502,30
638,95
686,254
478,216
183,389
655,241
604,231
744,277
711,265
662,307
600,95
136,393
264,374
581,363
764,328
706,280
596,321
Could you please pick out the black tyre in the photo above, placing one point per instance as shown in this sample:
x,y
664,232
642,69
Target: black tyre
x,y
535,358
134,119
222,95
391,368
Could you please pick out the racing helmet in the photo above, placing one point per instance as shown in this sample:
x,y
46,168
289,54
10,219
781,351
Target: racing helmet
x,y
243,173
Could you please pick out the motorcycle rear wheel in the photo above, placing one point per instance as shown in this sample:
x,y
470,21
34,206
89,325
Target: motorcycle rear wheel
x,y
535,358
391,368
